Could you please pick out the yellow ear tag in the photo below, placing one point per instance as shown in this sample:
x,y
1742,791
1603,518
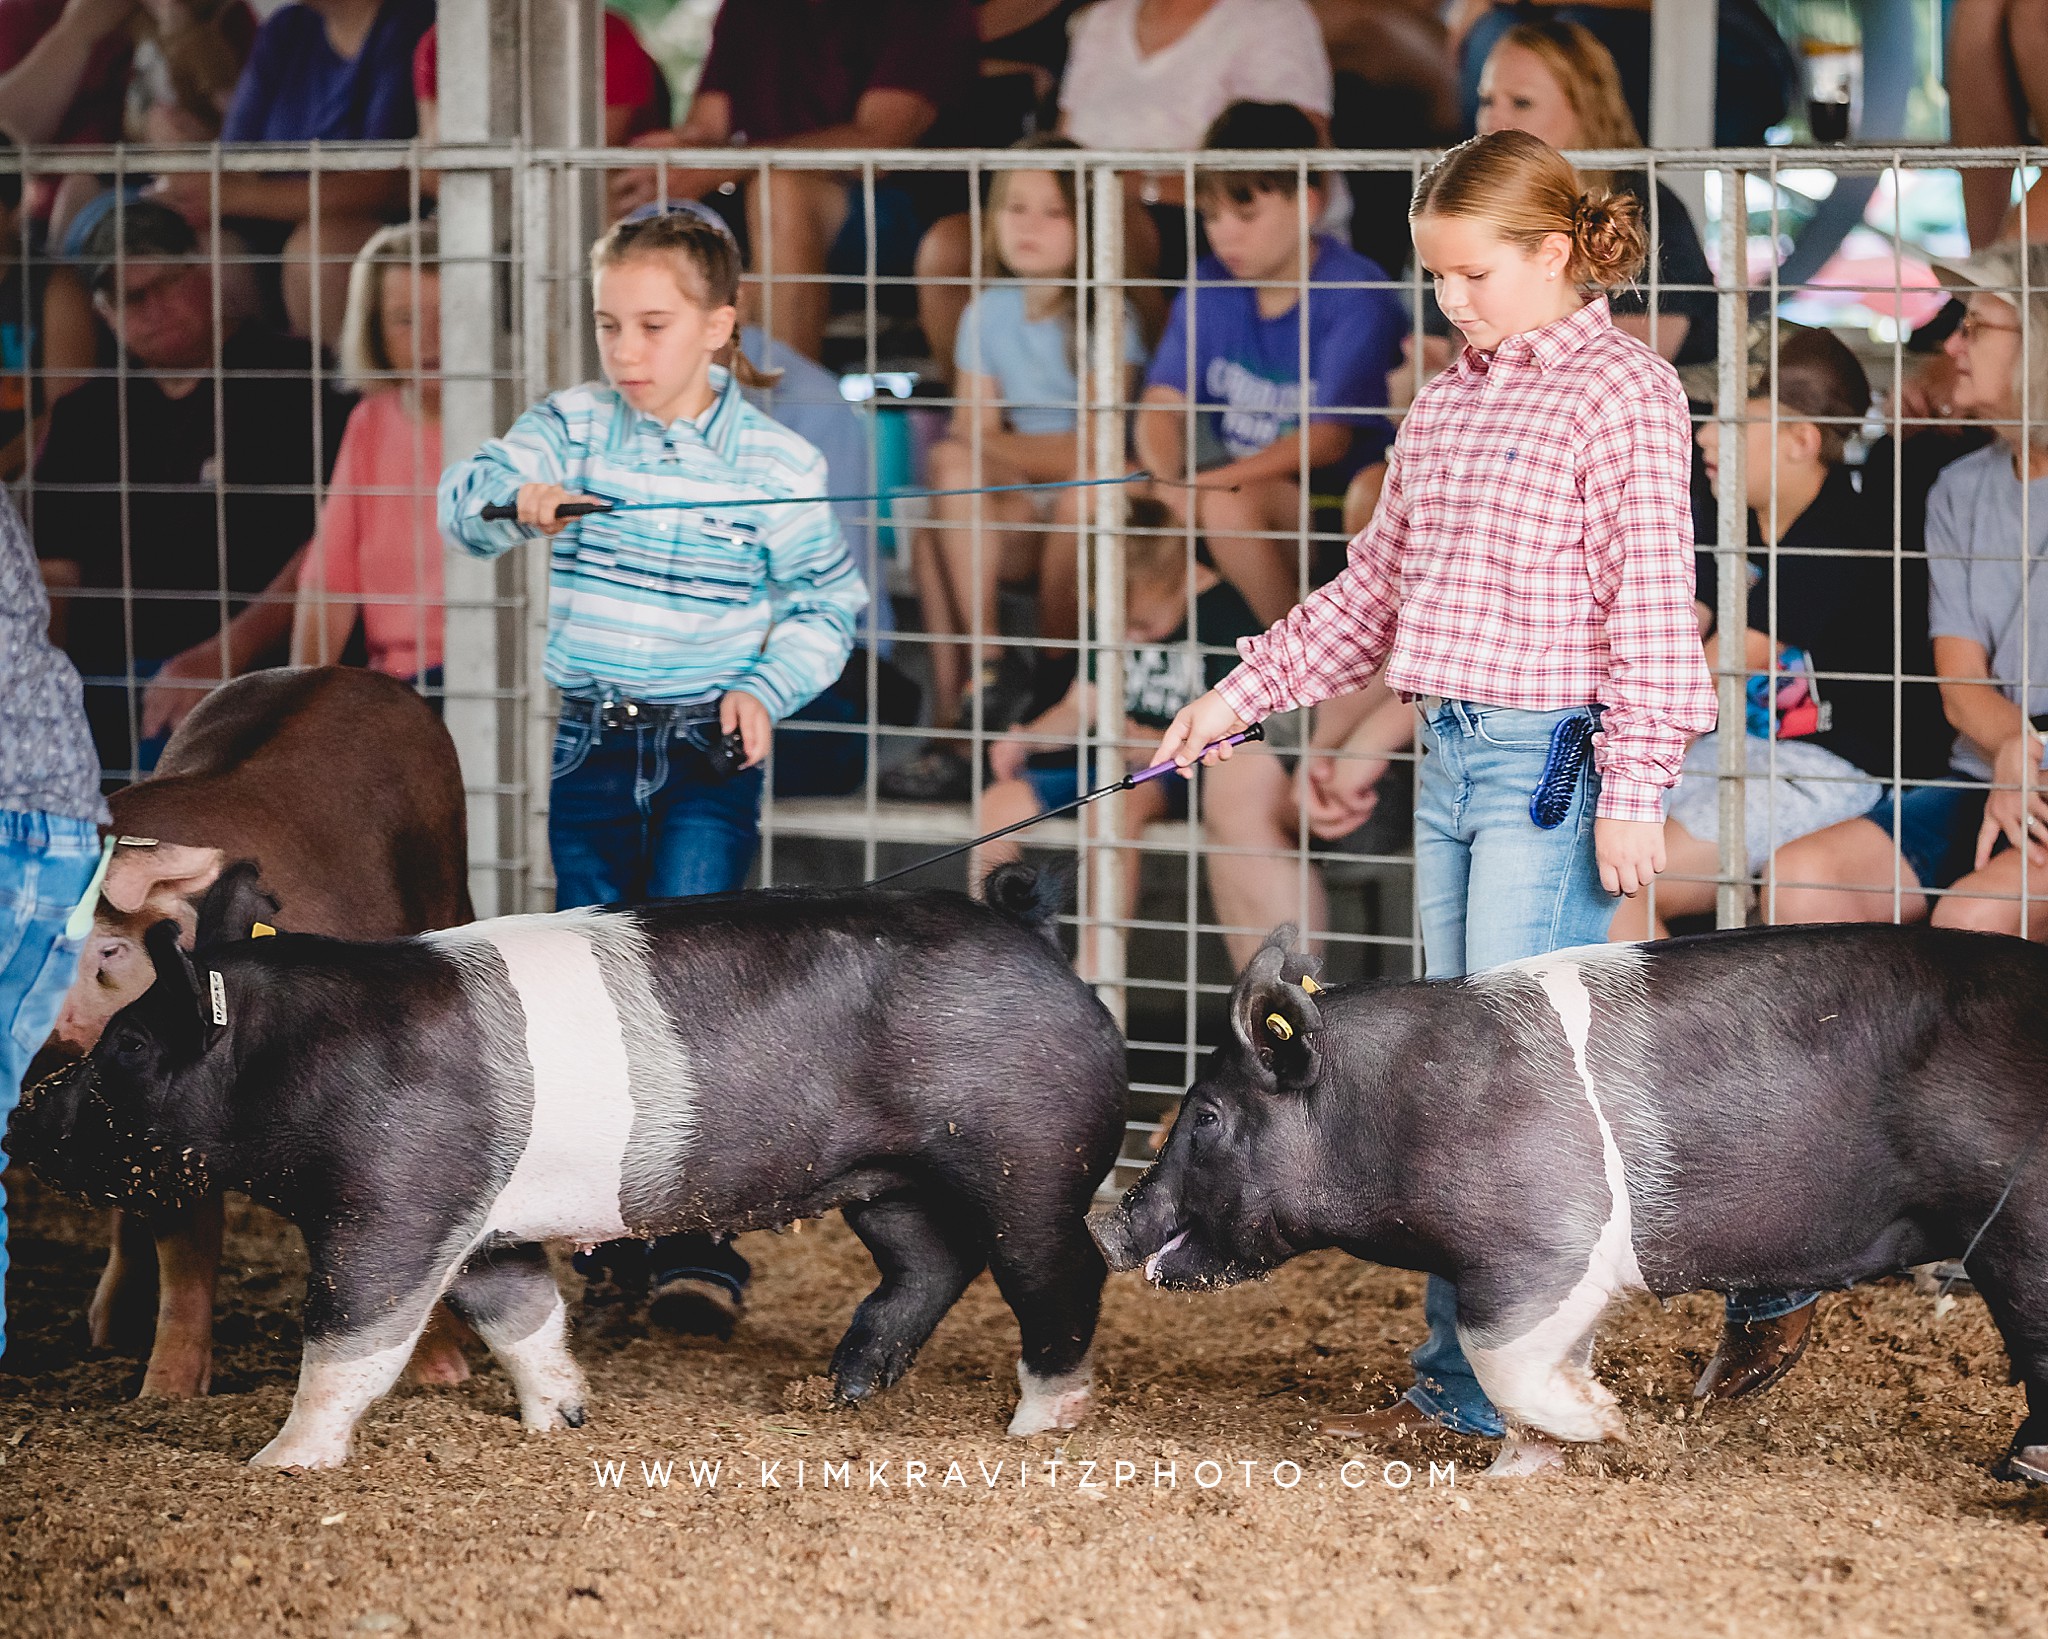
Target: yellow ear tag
x,y
1280,1027
1310,986
262,930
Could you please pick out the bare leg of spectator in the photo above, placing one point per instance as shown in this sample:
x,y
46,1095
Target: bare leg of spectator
x,y
1242,528
1248,803
2027,37
1984,107
1988,901
1059,571
322,250
975,543
1362,496
1845,874
945,253
793,228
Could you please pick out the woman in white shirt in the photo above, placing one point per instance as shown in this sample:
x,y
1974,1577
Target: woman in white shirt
x,y
1152,74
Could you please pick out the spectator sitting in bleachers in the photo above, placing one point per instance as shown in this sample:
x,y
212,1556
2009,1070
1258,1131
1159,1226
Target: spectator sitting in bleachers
x,y
816,74
1756,77
1247,805
636,98
377,554
135,497
1016,420
325,71
92,71
1824,603
1984,521
1556,81
1233,349
48,336
1152,74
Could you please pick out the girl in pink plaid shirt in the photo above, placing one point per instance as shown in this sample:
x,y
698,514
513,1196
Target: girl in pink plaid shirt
x,y
1528,581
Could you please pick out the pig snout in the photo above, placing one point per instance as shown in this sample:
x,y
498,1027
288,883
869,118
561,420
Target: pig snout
x,y
1112,1230
40,1122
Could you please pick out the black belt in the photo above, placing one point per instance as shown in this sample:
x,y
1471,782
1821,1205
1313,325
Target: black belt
x,y
611,711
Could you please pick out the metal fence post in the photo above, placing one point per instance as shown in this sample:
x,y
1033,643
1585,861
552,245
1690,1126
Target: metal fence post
x,y
560,208
1108,863
478,66
1731,550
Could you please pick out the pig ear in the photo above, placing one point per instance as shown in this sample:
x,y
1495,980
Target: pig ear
x,y
1275,1017
159,876
183,1002
234,907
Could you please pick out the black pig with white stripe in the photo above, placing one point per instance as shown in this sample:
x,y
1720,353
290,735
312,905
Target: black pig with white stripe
x,y
1780,1108
430,1110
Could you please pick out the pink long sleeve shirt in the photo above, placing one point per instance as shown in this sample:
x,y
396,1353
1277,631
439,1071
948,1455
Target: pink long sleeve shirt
x,y
1532,549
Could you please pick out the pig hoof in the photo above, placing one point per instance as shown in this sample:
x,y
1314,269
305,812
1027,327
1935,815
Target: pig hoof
x,y
574,1417
2028,1465
1051,1403
180,1379
303,1455
1520,1457
437,1358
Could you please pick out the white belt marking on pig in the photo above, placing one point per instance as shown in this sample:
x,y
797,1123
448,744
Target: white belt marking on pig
x,y
566,1184
1542,1378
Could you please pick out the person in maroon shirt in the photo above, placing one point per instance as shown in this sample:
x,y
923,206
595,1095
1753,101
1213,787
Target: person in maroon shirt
x,y
813,74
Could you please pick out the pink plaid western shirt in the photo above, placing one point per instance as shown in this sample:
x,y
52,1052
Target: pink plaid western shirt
x,y
1532,548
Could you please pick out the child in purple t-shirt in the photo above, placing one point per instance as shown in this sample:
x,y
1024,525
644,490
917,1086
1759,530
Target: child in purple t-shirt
x,y
1235,351
320,71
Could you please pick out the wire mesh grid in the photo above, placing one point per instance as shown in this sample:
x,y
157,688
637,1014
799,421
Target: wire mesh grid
x,y
1157,898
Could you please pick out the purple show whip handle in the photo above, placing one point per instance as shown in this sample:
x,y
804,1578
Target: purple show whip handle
x,y
1256,732
499,513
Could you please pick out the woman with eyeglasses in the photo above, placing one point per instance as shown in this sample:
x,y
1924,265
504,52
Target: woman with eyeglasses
x,y
1962,850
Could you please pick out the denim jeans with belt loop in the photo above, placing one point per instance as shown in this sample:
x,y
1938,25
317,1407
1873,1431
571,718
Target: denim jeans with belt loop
x,y
638,813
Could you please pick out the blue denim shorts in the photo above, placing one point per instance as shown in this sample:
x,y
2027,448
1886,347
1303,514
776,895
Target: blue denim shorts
x,y
1936,829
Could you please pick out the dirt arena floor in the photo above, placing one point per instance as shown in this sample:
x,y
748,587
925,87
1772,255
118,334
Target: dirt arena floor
x,y
1851,1500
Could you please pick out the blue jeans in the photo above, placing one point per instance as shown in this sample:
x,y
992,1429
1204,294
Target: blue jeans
x,y
47,863
1492,887
637,813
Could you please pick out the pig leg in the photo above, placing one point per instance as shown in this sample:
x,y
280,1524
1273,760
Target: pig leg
x,y
509,1296
188,1273
368,1297
2006,1271
1051,1276
336,1386
1541,1377
927,1258
123,1307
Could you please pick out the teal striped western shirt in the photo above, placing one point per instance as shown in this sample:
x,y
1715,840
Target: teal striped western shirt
x,y
673,605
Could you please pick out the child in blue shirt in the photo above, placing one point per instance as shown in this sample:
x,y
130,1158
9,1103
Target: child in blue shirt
x,y
667,629
1235,351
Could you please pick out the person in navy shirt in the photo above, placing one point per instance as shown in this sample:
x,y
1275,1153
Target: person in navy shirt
x,y
1235,351
320,71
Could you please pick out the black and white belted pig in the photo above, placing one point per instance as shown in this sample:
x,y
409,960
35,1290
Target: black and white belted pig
x,y
1779,1108
430,1110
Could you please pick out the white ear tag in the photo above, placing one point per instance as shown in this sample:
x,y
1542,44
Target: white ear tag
x,y
218,987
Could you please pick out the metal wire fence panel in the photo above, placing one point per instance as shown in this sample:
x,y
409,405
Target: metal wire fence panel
x,y
210,495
